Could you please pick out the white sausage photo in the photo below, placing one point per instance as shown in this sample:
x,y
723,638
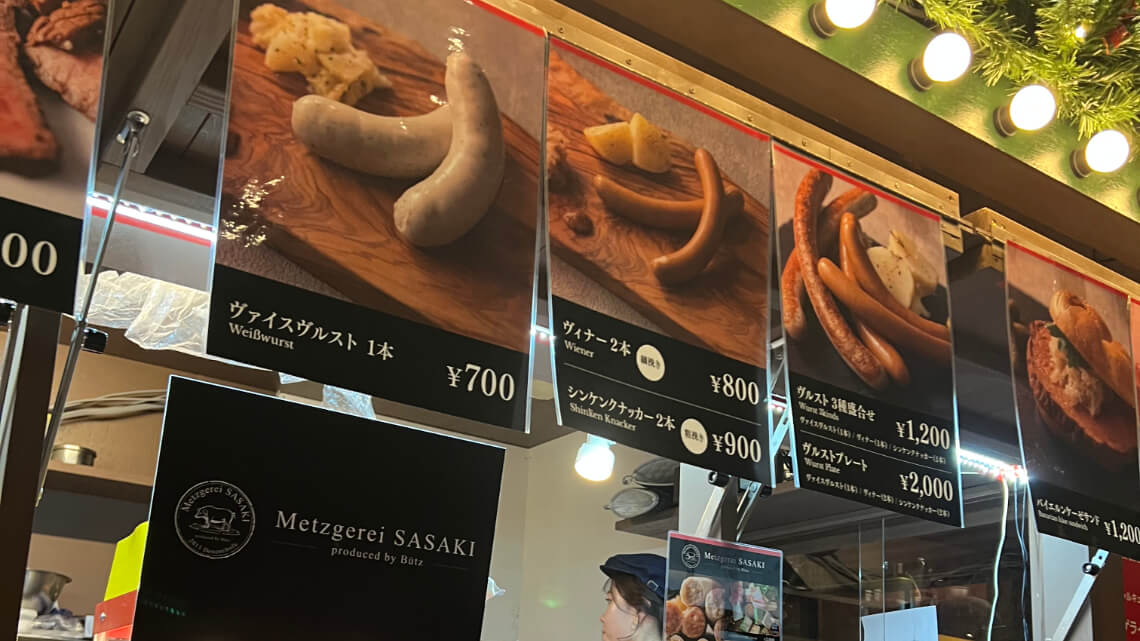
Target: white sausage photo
x,y
449,202
389,146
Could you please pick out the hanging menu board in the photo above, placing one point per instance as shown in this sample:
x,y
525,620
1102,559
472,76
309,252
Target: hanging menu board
x,y
258,529
722,590
1130,571
658,236
380,202
1076,397
51,63
864,305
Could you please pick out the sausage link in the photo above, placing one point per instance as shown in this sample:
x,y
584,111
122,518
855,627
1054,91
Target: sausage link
x,y
688,261
809,198
791,297
854,201
659,213
869,280
857,202
448,203
389,146
881,319
882,349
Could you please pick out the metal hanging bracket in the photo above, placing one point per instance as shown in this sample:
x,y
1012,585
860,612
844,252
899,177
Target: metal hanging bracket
x,y
1080,596
129,137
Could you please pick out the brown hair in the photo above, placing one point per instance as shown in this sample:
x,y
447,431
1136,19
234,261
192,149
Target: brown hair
x,y
636,594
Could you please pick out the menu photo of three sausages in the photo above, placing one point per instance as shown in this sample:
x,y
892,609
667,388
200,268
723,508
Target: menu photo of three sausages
x,y
1075,388
658,217
865,314
381,181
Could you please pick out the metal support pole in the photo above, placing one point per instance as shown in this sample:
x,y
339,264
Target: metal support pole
x,y
129,137
1080,596
11,369
712,506
31,351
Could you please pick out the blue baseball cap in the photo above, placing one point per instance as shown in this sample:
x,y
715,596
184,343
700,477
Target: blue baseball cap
x,y
647,568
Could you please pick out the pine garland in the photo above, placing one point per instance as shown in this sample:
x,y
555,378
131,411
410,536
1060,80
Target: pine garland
x,y
1096,79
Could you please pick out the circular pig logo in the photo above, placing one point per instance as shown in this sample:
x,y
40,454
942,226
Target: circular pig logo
x,y
691,556
214,519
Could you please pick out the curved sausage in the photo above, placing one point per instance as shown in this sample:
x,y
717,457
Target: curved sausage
x,y
857,202
690,260
882,349
881,319
809,197
659,213
448,203
868,278
389,146
854,201
791,297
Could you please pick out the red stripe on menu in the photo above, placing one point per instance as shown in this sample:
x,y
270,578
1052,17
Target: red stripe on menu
x,y
151,227
857,183
1056,263
665,91
508,17
725,544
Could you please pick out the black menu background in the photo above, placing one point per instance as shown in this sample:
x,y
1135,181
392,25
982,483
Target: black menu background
x,y
329,466
21,283
417,372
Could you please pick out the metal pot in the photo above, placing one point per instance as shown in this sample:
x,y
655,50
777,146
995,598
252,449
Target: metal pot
x,y
73,454
42,589
659,472
633,501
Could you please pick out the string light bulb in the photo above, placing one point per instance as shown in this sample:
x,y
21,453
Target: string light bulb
x,y
828,16
947,56
1104,153
1032,107
1081,32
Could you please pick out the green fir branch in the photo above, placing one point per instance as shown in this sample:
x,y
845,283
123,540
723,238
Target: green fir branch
x,y
1025,41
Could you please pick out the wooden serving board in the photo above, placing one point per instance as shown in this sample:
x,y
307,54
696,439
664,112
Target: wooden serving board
x,y
725,309
337,223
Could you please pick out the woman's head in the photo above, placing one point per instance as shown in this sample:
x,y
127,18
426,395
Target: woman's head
x,y
631,609
634,597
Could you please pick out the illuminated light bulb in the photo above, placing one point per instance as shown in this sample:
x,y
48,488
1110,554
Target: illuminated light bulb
x,y
1081,32
947,56
828,16
1104,153
595,460
1032,107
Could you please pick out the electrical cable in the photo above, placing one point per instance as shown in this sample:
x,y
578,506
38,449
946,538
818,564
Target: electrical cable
x,y
114,406
997,556
1019,518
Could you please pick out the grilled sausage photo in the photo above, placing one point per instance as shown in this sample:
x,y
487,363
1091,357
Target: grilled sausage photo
x,y
809,199
688,261
890,358
857,202
865,274
660,213
881,319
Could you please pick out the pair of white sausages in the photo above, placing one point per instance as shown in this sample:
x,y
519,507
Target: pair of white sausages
x,y
460,145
